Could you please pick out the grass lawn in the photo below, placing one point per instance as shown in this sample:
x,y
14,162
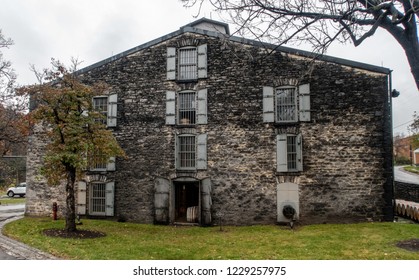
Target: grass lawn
x,y
413,169
130,241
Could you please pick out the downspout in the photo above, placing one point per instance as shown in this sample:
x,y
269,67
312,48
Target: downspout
x,y
391,96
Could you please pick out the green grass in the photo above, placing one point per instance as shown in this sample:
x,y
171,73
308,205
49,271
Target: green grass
x,y
413,169
129,241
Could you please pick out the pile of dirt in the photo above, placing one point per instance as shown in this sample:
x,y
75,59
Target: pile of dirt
x,y
78,234
411,245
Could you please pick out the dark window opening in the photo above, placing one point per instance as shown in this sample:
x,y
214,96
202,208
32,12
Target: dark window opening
x,y
187,202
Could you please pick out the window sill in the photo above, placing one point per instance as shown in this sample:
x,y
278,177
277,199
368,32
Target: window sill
x,y
97,170
287,123
289,173
187,81
186,125
185,170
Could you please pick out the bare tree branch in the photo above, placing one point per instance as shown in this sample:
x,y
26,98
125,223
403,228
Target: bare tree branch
x,y
320,23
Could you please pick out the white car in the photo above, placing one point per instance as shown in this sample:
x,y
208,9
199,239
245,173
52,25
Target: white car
x,y
19,190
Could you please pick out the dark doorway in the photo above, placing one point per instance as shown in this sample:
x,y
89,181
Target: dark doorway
x,y
187,202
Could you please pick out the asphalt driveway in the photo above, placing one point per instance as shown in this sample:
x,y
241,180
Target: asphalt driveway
x,y
404,176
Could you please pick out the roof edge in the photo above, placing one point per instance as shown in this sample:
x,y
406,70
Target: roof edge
x,y
316,56
190,29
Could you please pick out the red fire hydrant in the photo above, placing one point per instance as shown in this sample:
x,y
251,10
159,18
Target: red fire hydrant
x,y
54,211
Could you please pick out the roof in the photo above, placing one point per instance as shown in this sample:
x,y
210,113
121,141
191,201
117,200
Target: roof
x,y
209,24
216,29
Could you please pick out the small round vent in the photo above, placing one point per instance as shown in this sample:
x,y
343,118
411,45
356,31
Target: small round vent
x,y
288,211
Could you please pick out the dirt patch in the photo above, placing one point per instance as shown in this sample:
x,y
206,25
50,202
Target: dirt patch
x,y
78,234
410,245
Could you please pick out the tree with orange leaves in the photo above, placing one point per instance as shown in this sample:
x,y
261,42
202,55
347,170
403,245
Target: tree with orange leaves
x,y
64,108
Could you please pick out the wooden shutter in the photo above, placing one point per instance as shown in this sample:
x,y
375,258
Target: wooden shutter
x,y
109,198
171,63
161,200
177,150
170,107
281,153
304,96
202,61
206,202
111,165
268,105
112,110
299,152
81,198
202,107
201,152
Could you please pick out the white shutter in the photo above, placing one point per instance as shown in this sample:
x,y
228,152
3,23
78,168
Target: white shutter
x,y
170,107
201,151
281,153
268,105
202,61
109,198
206,202
111,166
304,96
161,200
202,107
177,164
299,152
81,198
171,63
112,110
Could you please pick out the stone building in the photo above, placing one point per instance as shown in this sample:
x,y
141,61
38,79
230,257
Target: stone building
x,y
219,127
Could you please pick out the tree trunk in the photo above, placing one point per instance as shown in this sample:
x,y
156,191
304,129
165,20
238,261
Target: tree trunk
x,y
70,217
408,39
412,54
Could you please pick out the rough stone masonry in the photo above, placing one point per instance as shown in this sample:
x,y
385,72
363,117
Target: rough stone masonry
x,y
346,169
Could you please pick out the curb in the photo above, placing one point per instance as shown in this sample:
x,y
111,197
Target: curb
x,y
20,250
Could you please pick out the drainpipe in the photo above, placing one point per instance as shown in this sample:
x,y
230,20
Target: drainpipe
x,y
392,94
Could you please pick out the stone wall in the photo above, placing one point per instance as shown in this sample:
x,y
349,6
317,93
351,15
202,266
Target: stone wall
x,y
39,195
346,145
406,191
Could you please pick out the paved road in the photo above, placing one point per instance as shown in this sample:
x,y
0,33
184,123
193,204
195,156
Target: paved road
x,y
9,212
11,249
403,176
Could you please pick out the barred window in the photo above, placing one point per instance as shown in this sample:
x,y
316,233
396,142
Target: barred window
x,y
286,104
292,152
98,199
188,63
289,153
100,104
187,108
97,162
186,152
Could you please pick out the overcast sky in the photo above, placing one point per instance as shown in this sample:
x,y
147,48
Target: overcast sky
x,y
93,30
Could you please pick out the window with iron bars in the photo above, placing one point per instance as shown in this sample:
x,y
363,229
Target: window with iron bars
x,y
188,63
292,155
186,152
97,162
98,199
100,104
286,104
187,108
